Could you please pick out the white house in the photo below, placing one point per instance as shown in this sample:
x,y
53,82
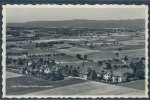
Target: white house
x,y
122,78
118,76
47,71
107,76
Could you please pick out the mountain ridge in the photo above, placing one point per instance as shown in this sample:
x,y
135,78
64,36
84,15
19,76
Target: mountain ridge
x,y
127,24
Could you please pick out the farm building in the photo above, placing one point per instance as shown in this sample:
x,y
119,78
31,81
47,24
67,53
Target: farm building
x,y
117,75
47,71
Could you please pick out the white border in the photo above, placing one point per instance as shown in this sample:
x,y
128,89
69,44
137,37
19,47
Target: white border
x,y
71,6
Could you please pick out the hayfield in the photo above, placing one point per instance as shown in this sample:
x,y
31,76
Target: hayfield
x,y
139,84
12,75
32,51
76,50
23,84
90,88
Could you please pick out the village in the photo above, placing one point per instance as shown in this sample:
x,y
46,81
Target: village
x,y
113,71
56,54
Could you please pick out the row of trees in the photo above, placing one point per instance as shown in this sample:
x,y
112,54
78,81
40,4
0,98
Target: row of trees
x,y
80,57
17,53
47,44
13,33
17,61
54,54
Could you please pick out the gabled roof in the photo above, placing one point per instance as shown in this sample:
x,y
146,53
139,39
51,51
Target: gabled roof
x,y
33,64
121,71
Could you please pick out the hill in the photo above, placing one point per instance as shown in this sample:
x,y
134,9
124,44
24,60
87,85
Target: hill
x,y
127,24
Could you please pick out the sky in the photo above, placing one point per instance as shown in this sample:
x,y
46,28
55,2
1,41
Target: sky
x,y
21,15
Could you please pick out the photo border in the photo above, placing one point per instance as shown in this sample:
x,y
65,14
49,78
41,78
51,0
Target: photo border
x,y
126,2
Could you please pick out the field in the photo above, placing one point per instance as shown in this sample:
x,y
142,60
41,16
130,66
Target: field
x,y
72,86
12,75
139,84
91,88
131,45
25,84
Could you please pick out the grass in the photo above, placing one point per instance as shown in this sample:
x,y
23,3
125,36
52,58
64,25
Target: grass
x,y
28,81
139,84
76,50
11,75
91,88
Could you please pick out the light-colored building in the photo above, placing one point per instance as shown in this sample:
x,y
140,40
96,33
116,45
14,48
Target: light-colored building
x,y
107,76
47,71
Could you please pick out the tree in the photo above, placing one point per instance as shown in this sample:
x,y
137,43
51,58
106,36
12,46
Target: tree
x,y
8,60
78,56
143,58
85,57
119,49
20,62
93,75
109,80
91,45
78,67
117,54
53,62
140,64
133,66
125,58
53,76
129,75
100,63
138,68
140,74
59,75
108,65
14,60
89,69
41,60
69,72
100,77
86,42
75,72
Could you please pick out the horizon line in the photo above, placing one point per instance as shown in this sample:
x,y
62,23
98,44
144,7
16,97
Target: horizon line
x,y
77,19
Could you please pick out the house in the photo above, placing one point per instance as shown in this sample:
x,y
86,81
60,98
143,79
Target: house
x,y
122,78
119,79
116,75
26,71
84,76
107,76
124,62
117,62
119,75
29,63
47,71
114,79
44,69
41,70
